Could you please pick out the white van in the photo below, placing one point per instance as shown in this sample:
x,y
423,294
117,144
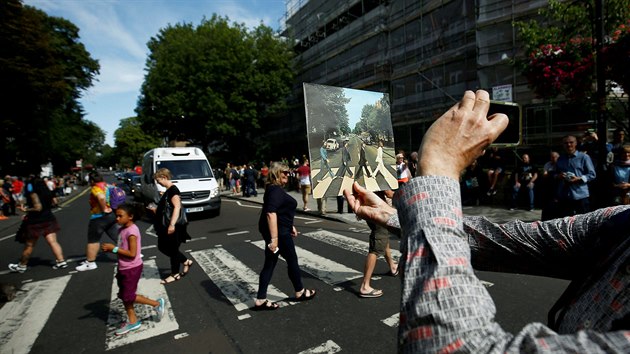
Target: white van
x,y
192,174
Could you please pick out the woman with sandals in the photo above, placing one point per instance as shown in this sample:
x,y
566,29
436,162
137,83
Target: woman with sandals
x,y
276,226
170,233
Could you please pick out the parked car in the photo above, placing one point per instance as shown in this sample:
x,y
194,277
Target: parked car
x,y
136,186
331,144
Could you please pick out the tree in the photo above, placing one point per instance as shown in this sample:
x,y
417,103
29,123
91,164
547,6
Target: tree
x,y
214,82
560,51
44,69
327,112
132,142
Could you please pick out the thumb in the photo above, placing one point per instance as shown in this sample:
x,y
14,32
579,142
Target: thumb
x,y
497,123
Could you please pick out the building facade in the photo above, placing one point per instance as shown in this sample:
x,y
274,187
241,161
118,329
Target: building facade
x,y
425,54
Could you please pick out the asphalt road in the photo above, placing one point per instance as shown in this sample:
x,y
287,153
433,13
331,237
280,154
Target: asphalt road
x,y
208,311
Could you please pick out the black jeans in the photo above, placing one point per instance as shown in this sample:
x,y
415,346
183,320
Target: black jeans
x,y
287,251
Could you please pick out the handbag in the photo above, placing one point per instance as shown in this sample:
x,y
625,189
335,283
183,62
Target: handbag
x,y
168,211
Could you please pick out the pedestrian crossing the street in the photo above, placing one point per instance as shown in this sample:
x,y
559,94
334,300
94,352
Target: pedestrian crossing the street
x,y
150,287
382,181
24,318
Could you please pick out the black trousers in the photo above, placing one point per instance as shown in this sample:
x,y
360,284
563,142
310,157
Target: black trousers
x,y
169,246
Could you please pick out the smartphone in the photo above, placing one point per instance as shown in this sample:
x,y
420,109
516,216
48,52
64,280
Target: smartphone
x,y
512,135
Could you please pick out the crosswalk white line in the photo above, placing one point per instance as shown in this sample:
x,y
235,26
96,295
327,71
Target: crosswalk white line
x,y
330,272
24,318
392,321
345,242
238,282
237,233
150,287
329,347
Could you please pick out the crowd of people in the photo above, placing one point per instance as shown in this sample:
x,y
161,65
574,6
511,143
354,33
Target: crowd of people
x,y
572,181
13,191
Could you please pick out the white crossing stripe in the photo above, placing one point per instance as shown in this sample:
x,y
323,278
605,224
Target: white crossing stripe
x,y
329,347
238,283
237,233
392,320
345,242
24,318
330,272
150,287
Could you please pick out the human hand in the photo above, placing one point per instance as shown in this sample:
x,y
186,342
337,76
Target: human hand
x,y
171,229
107,247
367,205
459,136
273,246
294,232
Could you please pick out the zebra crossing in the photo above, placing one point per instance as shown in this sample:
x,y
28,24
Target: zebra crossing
x,y
24,318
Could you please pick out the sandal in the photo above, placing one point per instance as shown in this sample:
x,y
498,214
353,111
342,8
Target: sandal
x,y
266,306
171,279
189,263
304,296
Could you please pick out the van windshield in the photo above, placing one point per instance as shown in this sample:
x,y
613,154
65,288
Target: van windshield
x,y
187,169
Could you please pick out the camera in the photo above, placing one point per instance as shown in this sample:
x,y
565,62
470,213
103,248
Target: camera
x,y
512,135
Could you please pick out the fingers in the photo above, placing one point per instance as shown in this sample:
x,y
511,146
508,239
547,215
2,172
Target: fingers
x,y
497,123
482,102
467,102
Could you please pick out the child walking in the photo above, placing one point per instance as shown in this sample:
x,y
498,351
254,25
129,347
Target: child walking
x,y
130,269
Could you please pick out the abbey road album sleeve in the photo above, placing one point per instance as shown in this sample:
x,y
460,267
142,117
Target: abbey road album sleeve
x,y
350,138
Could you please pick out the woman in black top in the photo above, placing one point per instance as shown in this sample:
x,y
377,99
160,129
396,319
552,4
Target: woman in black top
x,y
39,221
170,234
276,227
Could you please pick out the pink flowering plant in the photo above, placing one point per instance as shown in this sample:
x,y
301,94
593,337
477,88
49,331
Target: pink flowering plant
x,y
561,69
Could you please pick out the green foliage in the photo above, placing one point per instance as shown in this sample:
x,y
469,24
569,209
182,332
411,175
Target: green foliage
x,y
216,81
132,142
327,112
560,52
44,68
375,120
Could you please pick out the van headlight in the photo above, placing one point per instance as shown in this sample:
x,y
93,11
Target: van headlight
x,y
214,192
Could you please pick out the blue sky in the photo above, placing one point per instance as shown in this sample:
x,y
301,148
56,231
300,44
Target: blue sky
x,y
116,32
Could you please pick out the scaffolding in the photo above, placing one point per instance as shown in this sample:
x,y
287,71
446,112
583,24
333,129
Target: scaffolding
x,y
424,53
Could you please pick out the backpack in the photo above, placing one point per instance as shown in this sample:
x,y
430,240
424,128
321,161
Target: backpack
x,y
115,196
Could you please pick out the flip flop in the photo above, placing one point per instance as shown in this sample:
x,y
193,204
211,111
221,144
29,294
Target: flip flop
x,y
266,306
171,279
372,294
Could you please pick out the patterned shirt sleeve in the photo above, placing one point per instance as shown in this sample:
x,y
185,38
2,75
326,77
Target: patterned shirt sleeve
x,y
445,308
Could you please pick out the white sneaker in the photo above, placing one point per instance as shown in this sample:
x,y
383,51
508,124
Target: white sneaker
x,y
86,266
17,268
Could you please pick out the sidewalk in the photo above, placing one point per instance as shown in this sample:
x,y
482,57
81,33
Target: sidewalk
x,y
492,212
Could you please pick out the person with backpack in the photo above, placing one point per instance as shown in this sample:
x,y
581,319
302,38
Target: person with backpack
x,y
102,219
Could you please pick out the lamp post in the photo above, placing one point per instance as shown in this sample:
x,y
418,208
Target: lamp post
x,y
601,81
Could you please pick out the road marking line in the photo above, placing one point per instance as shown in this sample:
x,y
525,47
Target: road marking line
x,y
329,347
150,287
24,318
313,222
237,282
151,231
328,271
180,335
237,233
345,242
392,321
303,218
244,317
7,237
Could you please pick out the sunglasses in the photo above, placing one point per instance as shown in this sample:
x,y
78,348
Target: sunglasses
x,y
286,172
